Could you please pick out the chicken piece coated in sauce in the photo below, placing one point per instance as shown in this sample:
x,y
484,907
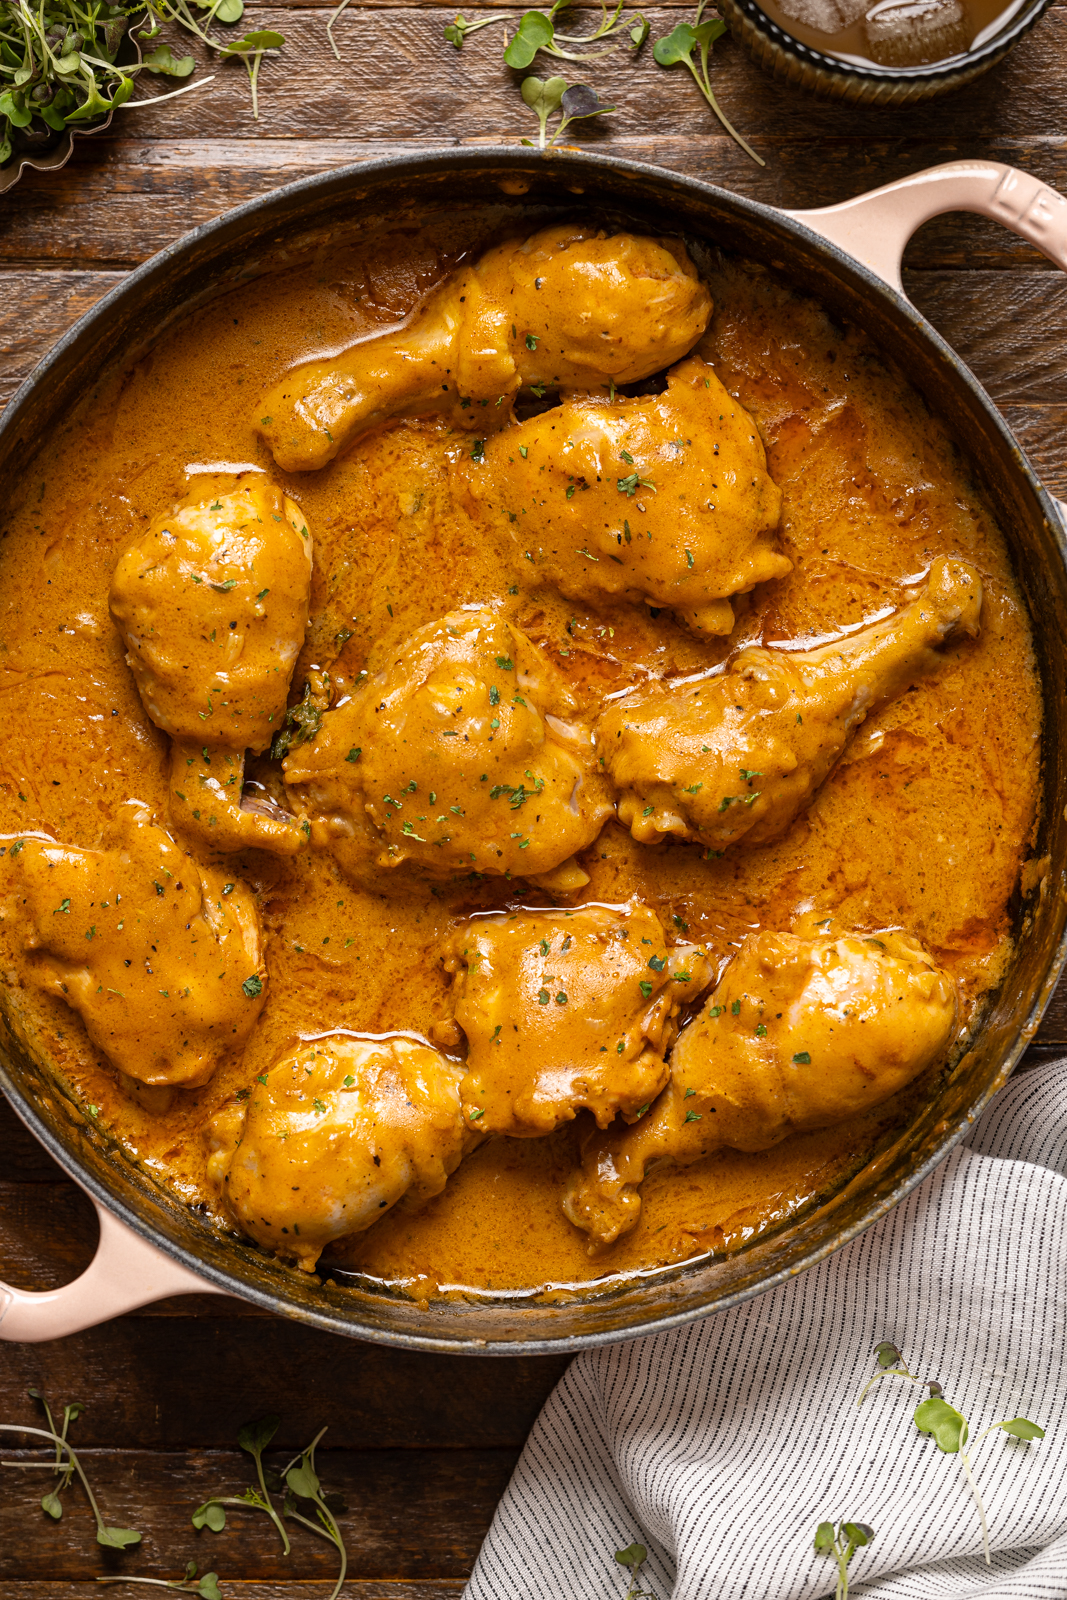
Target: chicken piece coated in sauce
x,y
161,959
462,757
565,1011
568,306
664,499
739,754
342,1129
212,604
800,1033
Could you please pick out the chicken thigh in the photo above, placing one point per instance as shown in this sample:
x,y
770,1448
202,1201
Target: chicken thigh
x,y
800,1033
161,959
664,499
212,604
569,307
565,1010
738,754
360,1123
456,759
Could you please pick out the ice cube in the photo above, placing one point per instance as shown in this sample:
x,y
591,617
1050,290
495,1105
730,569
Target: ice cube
x,y
827,16
909,33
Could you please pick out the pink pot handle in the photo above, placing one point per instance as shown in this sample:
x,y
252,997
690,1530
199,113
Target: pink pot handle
x,y
126,1272
875,227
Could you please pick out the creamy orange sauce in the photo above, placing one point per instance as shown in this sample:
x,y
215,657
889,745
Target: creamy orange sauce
x,y
923,825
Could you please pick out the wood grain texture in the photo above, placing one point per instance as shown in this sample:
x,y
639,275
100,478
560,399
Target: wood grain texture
x,y
410,1514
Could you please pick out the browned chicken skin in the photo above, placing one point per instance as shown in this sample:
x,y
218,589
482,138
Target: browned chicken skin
x,y
456,759
360,1123
161,959
565,1010
568,306
738,754
801,1032
212,604
664,499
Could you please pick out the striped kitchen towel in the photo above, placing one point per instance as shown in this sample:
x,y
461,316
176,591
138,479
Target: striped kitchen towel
x,y
721,1446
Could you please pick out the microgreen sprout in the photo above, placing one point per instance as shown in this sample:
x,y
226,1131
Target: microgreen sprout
x,y
950,1431
546,96
947,1426
297,1482
537,31
65,1470
842,1543
251,50
891,1365
302,1484
634,1558
680,44
253,1437
207,1586
457,31
58,65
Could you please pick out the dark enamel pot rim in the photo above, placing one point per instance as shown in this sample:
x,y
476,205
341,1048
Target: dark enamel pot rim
x,y
279,227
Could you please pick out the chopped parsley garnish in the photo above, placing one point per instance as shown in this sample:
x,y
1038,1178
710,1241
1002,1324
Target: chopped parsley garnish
x,y
629,486
64,906
802,1058
505,663
543,997
479,1112
253,986
657,963
692,1116
531,341
735,1009
646,987
494,695
355,753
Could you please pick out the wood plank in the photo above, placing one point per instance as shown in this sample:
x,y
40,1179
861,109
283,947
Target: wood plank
x,y
1042,432
410,1513
398,79
240,1589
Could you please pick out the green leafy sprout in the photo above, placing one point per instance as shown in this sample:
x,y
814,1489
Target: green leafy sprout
x,y
948,1427
66,1466
298,1484
207,1585
58,66
549,95
634,1558
537,31
842,1543
679,46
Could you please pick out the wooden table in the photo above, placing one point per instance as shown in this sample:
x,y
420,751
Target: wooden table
x,y
421,1446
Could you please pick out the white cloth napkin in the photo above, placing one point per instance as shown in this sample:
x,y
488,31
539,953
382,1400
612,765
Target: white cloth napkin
x,y
722,1445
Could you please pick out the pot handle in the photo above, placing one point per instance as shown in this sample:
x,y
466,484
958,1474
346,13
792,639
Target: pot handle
x,y
126,1272
875,227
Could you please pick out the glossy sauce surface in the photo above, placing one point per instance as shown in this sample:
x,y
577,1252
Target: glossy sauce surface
x,y
922,825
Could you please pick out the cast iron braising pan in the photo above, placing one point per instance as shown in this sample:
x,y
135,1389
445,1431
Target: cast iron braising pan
x,y
848,258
